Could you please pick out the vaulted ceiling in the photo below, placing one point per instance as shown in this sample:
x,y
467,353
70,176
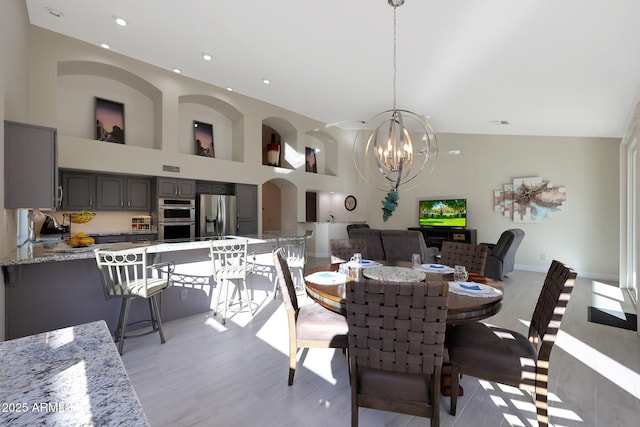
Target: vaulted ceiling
x,y
547,67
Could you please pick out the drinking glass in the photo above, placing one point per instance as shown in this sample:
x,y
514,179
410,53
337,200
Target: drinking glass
x,y
344,269
356,258
460,273
416,260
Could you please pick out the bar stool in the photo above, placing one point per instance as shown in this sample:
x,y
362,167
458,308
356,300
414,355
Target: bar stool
x,y
125,274
294,251
230,263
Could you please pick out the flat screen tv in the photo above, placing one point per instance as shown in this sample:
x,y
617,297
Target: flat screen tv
x,y
443,213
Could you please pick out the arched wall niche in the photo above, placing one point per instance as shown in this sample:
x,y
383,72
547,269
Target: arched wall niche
x,y
226,120
278,196
80,82
326,148
290,155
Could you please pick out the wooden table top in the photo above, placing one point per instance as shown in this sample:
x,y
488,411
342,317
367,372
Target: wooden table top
x,y
462,308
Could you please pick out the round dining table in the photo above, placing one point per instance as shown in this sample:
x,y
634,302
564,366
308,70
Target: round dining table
x,y
462,308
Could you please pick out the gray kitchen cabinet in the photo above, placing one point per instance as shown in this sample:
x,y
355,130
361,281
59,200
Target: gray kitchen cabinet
x,y
138,238
138,194
176,188
78,191
115,192
30,166
214,187
247,209
110,193
110,238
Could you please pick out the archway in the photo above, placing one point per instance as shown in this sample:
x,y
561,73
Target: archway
x,y
279,206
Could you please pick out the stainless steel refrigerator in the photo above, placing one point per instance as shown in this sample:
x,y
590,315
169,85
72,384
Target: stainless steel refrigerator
x,y
216,215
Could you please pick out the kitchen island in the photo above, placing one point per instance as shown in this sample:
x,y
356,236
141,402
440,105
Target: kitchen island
x,y
67,377
49,289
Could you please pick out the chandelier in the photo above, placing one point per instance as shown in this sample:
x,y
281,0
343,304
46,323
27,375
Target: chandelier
x,y
401,145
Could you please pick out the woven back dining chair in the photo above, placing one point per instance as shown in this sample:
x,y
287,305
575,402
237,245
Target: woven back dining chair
x,y
343,249
310,325
396,346
473,257
504,356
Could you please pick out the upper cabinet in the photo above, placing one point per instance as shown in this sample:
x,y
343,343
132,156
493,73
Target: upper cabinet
x,y
117,193
176,188
31,166
78,191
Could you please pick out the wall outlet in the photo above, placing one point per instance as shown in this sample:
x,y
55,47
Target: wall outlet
x,y
543,257
183,294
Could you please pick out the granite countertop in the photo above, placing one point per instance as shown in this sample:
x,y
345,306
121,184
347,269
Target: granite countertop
x,y
68,377
52,251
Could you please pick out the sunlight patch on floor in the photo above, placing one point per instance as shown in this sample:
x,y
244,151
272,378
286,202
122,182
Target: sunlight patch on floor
x,y
614,371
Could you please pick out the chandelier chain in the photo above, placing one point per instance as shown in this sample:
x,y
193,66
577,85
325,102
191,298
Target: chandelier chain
x,y
394,56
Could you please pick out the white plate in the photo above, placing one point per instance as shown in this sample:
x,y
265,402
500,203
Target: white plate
x,y
435,268
326,278
474,289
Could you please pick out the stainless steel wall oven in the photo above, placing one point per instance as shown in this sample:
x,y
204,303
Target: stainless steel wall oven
x,y
176,219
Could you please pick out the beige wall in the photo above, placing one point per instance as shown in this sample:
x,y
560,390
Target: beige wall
x,y
584,235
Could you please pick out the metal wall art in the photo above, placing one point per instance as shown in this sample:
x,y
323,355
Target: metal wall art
x,y
529,199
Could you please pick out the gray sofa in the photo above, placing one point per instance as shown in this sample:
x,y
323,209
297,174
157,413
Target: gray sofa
x,y
394,245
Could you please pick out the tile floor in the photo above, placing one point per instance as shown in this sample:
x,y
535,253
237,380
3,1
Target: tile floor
x,y
209,374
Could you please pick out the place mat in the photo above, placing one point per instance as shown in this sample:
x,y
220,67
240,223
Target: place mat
x,y
473,289
326,278
365,263
435,268
394,274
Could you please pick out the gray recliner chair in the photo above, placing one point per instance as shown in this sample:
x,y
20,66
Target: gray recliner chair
x,y
502,254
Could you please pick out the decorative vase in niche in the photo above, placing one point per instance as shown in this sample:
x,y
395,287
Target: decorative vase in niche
x,y
273,152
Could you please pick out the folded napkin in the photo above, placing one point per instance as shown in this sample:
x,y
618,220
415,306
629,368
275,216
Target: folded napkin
x,y
326,278
365,263
474,289
434,268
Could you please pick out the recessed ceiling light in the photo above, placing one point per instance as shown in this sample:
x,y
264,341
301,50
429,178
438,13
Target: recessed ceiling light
x,y
177,70
453,152
229,89
105,45
266,81
120,21
499,122
206,57
54,12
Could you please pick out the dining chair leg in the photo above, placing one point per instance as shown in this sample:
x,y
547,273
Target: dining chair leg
x,y
293,355
455,383
540,396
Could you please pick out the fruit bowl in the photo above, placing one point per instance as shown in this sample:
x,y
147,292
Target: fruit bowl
x,y
80,217
79,240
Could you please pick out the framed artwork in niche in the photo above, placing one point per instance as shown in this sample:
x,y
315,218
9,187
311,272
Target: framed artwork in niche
x,y
203,138
310,160
109,121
